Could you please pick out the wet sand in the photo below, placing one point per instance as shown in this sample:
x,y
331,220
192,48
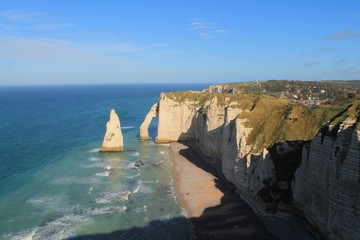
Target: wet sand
x,y
216,211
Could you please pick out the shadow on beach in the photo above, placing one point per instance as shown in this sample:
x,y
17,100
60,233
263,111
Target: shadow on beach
x,y
232,219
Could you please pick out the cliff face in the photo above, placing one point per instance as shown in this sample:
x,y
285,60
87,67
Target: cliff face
x,y
270,150
327,183
113,139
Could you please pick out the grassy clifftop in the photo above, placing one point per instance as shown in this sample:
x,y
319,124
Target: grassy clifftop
x,y
274,119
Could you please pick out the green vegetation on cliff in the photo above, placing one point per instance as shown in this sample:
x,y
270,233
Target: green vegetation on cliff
x,y
273,119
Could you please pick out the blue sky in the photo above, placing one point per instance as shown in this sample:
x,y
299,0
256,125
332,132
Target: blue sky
x,y
212,41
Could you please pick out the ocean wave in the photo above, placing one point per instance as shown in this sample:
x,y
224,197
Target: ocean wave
x,y
111,197
129,127
162,152
162,160
61,228
94,159
103,174
106,210
133,176
136,190
75,180
54,203
141,209
94,165
95,150
135,154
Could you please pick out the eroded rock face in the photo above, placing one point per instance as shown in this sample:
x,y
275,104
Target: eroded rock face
x,y
320,176
327,183
113,139
175,119
144,133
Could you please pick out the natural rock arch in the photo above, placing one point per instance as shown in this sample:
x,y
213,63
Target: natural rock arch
x,y
144,127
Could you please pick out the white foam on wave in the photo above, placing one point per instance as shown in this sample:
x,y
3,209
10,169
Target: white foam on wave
x,y
76,180
95,150
133,176
162,160
103,174
129,127
135,154
111,197
142,188
162,152
106,210
94,165
137,188
49,203
94,159
141,209
60,228
165,218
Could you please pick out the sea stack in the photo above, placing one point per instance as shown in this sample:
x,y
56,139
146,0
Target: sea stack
x,y
113,139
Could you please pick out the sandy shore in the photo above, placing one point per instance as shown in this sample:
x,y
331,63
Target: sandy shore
x,y
216,211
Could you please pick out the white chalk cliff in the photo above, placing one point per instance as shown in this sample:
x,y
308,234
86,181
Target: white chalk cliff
x,y
144,133
270,150
113,139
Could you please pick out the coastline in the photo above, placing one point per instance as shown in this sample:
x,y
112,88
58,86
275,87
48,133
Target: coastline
x,y
214,209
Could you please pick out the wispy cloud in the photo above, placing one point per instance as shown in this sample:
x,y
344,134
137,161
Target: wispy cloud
x,y
123,48
48,51
57,51
344,34
326,49
309,64
20,15
206,30
51,26
34,20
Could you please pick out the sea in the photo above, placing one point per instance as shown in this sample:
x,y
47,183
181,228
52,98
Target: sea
x,y
54,184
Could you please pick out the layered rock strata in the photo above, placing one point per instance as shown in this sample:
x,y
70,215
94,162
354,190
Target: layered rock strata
x,y
113,139
266,149
327,183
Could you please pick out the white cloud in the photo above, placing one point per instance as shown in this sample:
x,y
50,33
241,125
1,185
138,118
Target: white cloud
x,y
206,30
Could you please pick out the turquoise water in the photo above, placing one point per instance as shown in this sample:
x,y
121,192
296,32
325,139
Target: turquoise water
x,y
55,184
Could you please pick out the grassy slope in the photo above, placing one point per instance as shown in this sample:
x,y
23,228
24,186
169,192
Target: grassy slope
x,y
273,119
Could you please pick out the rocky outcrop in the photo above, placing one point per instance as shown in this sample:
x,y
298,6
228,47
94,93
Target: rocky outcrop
x,y
113,139
221,88
144,133
275,155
